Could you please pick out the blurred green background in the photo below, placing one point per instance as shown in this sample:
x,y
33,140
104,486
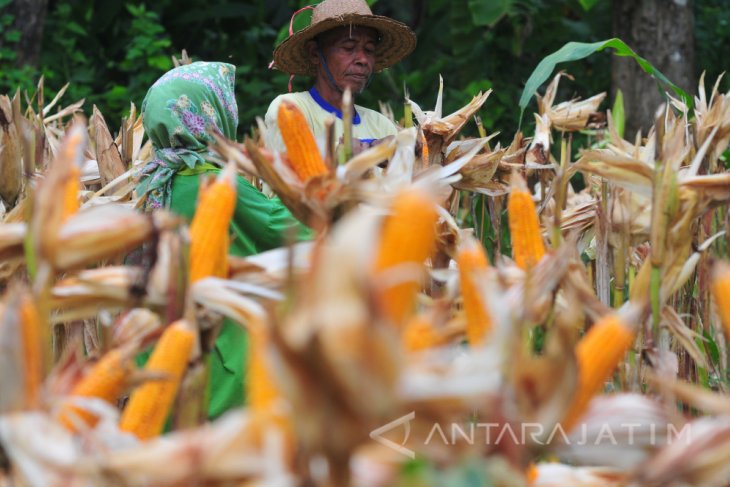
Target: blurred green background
x,y
111,50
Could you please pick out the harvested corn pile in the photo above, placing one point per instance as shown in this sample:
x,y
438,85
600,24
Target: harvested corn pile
x,y
418,340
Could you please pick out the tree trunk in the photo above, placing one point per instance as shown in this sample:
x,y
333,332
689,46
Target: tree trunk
x,y
29,16
662,32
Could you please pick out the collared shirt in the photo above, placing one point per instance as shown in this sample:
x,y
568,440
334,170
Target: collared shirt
x,y
367,125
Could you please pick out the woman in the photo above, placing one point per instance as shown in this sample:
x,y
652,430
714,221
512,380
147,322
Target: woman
x,y
179,111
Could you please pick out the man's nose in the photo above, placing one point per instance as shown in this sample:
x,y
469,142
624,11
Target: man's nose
x,y
362,57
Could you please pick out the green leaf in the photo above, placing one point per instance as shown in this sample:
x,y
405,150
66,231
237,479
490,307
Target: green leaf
x,y
76,28
135,10
12,35
574,51
160,62
588,4
476,86
489,12
619,115
711,347
7,53
5,3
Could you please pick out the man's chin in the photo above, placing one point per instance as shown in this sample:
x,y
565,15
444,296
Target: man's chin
x,y
357,86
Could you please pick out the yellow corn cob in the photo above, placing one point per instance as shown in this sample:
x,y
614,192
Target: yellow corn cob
x,y
598,353
209,228
221,268
262,393
300,145
418,334
106,380
471,260
424,149
261,389
408,236
721,293
524,227
149,405
71,193
32,340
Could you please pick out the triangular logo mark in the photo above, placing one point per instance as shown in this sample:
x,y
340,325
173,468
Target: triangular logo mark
x,y
376,434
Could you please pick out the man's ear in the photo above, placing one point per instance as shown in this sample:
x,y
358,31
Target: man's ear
x,y
312,51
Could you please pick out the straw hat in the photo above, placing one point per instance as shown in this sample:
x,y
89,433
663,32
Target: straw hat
x,y
397,40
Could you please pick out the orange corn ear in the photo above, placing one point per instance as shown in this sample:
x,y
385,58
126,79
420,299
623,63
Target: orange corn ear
x,y
524,227
424,149
721,293
149,405
598,354
261,390
221,269
472,260
32,340
408,237
419,334
262,393
106,380
71,193
301,147
209,228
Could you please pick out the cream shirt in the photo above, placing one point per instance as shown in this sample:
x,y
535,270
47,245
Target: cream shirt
x,y
368,125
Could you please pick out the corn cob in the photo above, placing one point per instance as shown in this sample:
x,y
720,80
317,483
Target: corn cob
x,y
418,334
721,293
262,393
424,149
524,226
260,388
598,353
32,342
106,380
304,156
145,414
471,260
209,228
71,193
408,236
221,267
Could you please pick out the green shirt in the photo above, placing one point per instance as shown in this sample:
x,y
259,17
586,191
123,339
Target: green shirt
x,y
258,224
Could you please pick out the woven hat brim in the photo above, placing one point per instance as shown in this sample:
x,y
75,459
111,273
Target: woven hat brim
x,y
397,40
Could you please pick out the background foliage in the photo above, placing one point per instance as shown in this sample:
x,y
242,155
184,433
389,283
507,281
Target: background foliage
x,y
112,50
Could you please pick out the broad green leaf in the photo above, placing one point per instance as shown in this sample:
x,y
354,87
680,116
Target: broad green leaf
x,y
489,12
619,115
588,4
574,51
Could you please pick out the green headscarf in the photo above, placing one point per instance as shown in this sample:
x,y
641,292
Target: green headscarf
x,y
178,113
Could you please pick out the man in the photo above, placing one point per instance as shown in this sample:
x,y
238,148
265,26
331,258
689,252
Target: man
x,y
341,48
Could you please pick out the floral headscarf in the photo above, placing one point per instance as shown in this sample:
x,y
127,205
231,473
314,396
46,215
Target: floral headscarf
x,y
178,113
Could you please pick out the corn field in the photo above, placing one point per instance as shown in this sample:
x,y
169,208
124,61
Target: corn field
x,y
589,348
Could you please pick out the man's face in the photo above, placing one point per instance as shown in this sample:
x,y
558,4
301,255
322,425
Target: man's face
x,y
350,55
